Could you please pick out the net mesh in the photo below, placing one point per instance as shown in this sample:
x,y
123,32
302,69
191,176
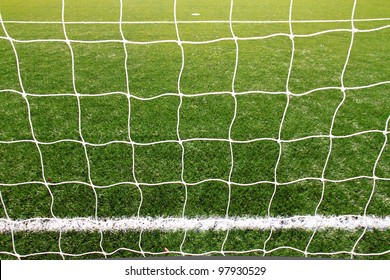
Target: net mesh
x,y
226,223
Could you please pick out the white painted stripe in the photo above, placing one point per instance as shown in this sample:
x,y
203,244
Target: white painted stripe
x,y
198,21
348,222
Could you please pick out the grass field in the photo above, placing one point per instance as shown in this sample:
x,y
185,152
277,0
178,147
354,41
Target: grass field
x,y
142,93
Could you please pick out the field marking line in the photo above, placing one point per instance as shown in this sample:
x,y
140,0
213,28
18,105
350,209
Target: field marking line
x,y
198,21
165,224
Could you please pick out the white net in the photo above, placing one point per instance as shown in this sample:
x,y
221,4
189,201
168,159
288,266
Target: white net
x,y
227,223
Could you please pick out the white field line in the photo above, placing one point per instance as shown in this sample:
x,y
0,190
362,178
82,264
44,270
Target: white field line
x,y
348,222
198,21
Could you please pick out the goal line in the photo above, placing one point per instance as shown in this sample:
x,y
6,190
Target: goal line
x,y
345,222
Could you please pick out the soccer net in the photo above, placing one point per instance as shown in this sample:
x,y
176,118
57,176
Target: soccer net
x,y
240,215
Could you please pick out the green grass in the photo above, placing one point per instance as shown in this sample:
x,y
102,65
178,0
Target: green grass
x,y
153,69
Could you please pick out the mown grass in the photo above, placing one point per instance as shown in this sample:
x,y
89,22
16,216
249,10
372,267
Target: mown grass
x,y
153,69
